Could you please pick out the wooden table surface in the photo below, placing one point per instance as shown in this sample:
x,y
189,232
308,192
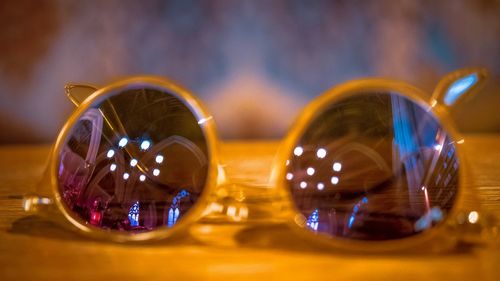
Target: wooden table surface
x,y
34,248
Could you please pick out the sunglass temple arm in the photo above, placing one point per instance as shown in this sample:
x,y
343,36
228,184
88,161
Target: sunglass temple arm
x,y
458,86
77,93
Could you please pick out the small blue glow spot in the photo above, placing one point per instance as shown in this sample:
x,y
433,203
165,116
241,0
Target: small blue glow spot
x,y
173,215
355,210
313,220
459,87
351,221
183,193
133,214
436,214
422,223
173,211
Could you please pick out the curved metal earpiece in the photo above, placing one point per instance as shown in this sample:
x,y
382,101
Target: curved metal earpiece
x,y
77,93
459,84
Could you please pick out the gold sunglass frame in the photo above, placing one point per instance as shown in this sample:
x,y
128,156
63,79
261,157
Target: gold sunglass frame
x,y
48,192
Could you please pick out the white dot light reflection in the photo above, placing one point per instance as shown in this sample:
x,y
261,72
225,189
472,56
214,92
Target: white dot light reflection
x,y
473,217
142,177
310,171
321,153
303,184
159,159
337,167
133,162
334,180
110,153
112,167
320,186
298,151
123,142
145,144
438,147
203,120
156,172
289,176
126,176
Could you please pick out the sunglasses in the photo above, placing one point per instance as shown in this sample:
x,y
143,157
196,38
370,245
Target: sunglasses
x,y
369,160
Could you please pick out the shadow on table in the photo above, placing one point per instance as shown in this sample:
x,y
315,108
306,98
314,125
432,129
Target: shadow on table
x,y
224,236
36,226
282,237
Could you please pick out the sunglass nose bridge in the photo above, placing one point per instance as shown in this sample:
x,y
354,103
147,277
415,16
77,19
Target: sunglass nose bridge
x,y
244,191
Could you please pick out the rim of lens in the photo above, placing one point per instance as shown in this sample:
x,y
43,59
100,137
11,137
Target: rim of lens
x,y
325,101
205,122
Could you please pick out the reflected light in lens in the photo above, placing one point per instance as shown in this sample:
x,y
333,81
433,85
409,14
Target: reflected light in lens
x,y
112,167
426,196
459,87
110,153
335,180
313,220
351,221
320,186
133,162
298,151
303,184
289,176
133,214
337,167
438,147
145,144
159,159
142,177
156,172
310,171
321,153
126,176
123,142
473,217
204,120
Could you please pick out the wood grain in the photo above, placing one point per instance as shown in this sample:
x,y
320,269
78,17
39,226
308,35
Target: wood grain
x,y
34,248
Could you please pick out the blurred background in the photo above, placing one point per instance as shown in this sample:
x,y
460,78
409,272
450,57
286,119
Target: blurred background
x,y
255,64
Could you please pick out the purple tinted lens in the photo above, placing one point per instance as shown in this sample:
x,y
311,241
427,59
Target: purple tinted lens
x,y
374,166
135,161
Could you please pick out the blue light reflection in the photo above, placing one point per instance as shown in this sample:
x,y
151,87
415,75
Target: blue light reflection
x,y
459,87
133,214
173,211
435,214
313,220
355,210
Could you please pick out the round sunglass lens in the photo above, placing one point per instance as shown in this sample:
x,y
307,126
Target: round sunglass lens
x,y
136,161
373,166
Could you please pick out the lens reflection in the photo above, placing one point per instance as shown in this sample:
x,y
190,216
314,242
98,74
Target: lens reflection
x,y
373,166
134,162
